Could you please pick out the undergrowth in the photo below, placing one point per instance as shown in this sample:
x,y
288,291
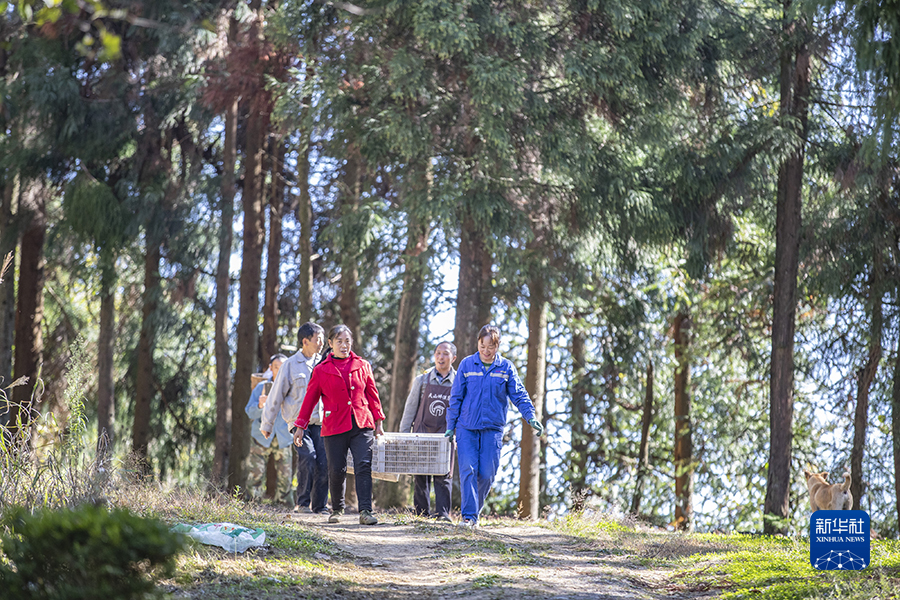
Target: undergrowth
x,y
53,466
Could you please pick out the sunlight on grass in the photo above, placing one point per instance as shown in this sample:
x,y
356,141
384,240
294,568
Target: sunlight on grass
x,y
739,566
779,569
486,581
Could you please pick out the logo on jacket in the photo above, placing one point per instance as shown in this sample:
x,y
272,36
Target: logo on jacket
x,y
436,408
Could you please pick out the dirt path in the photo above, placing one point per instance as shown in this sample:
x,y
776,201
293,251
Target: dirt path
x,y
404,557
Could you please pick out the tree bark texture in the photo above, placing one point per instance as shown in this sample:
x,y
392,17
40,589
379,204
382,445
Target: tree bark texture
x,y
269,343
683,454
144,383
535,380
644,453
474,291
305,217
29,341
578,457
223,286
9,239
795,82
248,324
349,301
106,405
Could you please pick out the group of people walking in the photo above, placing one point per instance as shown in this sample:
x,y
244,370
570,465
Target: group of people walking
x,y
328,406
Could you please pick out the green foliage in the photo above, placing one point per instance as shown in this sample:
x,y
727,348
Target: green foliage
x,y
86,552
93,211
78,374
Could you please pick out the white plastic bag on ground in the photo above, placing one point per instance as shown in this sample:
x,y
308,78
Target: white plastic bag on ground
x,y
233,538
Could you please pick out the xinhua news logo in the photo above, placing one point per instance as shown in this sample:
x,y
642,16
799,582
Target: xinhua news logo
x,y
839,540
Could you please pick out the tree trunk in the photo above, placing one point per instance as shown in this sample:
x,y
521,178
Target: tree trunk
x,y
406,339
865,376
644,452
349,256
684,470
269,343
223,284
349,301
106,404
305,218
535,379
876,290
248,324
144,384
895,428
474,290
795,80
9,238
578,457
473,301
29,342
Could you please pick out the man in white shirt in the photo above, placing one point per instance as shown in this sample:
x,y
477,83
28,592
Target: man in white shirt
x,y
287,395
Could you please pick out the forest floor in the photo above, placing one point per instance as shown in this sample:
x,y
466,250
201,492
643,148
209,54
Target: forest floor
x,y
414,558
410,557
579,558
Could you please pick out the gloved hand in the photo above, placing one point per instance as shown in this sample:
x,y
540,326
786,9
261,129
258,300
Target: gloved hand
x,y
448,433
536,425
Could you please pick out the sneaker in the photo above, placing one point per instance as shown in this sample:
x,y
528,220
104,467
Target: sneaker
x,y
444,519
367,518
323,511
336,516
302,509
467,524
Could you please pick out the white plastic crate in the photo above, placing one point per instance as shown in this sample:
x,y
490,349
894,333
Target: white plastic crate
x,y
412,454
408,454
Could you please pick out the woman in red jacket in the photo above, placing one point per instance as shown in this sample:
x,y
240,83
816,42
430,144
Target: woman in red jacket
x,y
352,418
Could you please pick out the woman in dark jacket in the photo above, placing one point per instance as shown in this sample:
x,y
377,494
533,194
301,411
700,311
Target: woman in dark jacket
x,y
352,418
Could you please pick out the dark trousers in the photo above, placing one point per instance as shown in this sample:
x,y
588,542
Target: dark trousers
x,y
442,486
312,470
359,442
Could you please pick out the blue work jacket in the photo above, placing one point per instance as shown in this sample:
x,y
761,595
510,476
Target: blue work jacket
x,y
285,439
479,396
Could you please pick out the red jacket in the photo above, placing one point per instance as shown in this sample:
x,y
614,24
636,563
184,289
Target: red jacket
x,y
327,383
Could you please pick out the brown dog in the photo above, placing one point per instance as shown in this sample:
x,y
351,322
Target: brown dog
x,y
827,496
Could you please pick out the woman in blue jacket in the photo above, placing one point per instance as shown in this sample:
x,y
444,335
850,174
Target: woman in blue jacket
x,y
477,412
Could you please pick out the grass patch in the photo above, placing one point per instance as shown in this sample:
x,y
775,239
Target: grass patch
x,y
482,548
779,569
738,566
488,580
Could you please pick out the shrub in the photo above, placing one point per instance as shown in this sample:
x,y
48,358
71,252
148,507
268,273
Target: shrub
x,y
86,552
